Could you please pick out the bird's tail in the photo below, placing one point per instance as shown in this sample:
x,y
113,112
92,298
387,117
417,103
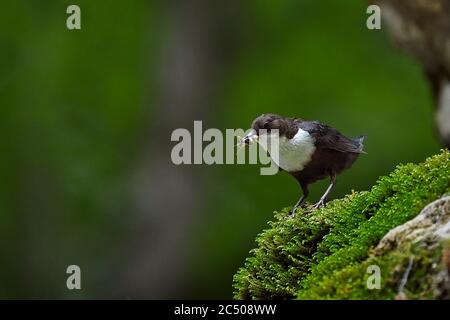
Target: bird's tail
x,y
360,143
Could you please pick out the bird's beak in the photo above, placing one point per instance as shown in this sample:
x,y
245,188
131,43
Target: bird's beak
x,y
249,138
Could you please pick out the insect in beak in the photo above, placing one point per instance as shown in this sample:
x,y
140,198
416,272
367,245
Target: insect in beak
x,y
248,139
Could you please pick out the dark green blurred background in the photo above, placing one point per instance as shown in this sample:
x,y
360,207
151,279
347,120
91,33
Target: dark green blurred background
x,y
86,116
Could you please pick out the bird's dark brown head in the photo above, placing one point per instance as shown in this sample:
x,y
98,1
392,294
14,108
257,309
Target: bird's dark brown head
x,y
268,122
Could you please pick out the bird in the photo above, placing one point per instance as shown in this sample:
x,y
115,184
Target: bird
x,y
308,150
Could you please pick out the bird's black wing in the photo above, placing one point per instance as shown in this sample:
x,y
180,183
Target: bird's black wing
x,y
329,138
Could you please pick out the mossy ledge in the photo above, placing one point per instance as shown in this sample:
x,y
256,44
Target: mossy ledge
x,y
324,254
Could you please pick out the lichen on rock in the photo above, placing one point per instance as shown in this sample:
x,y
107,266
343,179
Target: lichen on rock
x,y
324,254
431,224
429,234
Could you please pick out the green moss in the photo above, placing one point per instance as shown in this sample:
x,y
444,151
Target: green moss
x,y
324,253
351,282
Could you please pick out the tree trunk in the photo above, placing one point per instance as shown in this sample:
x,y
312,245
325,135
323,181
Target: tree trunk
x,y
422,29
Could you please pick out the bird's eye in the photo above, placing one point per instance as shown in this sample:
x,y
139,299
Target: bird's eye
x,y
266,126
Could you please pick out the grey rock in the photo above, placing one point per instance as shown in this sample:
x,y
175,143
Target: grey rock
x,y
431,224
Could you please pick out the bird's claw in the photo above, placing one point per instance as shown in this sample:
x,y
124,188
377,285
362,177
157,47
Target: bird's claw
x,y
320,204
302,205
292,213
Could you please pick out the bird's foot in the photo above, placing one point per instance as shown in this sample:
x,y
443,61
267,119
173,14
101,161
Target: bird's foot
x,y
321,204
292,213
303,205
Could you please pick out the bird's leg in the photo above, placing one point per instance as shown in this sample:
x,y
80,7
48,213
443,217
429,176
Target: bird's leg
x,y
302,199
323,200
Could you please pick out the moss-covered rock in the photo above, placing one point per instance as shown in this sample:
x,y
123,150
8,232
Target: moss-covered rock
x,y
324,254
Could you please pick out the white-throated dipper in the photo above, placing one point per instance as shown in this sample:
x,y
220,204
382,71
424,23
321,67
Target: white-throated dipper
x,y
308,150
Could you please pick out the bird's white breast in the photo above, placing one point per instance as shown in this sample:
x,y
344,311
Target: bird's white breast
x,y
295,153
